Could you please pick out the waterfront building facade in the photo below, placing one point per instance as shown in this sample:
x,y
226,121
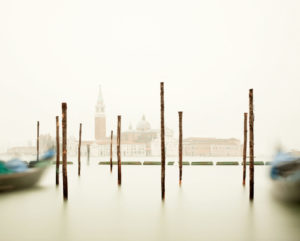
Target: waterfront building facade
x,y
143,135
171,144
127,149
145,141
141,141
196,146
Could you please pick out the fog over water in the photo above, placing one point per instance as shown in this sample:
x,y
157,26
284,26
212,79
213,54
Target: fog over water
x,y
211,204
208,54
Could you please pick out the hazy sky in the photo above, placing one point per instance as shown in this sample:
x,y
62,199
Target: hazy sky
x,y
208,53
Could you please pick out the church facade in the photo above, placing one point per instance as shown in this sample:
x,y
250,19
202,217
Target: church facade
x,y
145,141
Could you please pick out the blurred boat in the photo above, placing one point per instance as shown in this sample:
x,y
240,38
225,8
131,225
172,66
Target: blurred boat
x,y
285,173
20,178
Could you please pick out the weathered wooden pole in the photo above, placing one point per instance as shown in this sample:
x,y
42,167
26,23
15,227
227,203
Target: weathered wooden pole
x,y
64,150
245,148
79,148
88,154
57,151
37,140
162,137
119,150
180,147
111,150
251,130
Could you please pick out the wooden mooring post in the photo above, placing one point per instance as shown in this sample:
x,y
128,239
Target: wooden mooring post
x,y
37,140
162,137
79,149
111,150
64,150
251,144
57,152
180,146
119,151
245,148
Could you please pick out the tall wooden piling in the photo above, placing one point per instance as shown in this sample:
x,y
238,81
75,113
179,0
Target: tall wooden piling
x,y
162,137
251,144
119,150
57,151
64,150
111,150
245,148
180,146
37,140
79,148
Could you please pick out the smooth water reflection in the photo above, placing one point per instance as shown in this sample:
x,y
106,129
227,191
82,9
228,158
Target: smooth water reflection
x,y
211,204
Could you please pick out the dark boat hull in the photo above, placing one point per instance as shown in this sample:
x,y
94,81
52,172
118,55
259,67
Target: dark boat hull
x,y
21,180
287,189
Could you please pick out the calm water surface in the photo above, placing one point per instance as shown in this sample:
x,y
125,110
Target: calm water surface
x,y
211,204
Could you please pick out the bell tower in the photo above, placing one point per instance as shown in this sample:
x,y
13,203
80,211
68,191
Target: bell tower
x,y
100,120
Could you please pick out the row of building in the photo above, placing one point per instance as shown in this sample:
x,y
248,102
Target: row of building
x,y
191,147
142,142
145,141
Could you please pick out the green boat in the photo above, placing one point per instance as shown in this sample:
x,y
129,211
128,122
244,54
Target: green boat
x,y
29,177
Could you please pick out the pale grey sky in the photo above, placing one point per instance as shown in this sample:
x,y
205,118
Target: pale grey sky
x,y
208,53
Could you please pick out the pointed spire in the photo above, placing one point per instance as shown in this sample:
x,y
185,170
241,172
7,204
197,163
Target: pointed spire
x,y
100,108
100,97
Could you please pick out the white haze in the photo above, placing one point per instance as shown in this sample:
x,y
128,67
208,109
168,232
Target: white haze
x,y
208,53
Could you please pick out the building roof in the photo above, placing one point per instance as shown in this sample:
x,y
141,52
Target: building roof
x,y
216,141
143,125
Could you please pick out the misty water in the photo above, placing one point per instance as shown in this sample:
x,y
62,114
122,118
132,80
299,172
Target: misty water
x,y
211,204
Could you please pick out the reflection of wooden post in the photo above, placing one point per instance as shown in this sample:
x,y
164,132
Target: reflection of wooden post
x,y
180,146
64,148
88,153
119,150
79,147
251,127
111,140
162,136
37,140
245,148
57,151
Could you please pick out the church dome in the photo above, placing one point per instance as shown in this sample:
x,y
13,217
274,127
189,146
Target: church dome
x,y
143,125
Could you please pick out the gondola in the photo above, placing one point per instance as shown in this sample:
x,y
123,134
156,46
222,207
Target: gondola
x,y
27,178
285,175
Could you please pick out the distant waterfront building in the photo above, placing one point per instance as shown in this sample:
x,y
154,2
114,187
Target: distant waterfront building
x,y
46,142
143,134
139,142
127,149
133,142
100,120
26,150
196,146
145,141
171,144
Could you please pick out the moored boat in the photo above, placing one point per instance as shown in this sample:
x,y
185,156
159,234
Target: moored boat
x,y
285,174
24,176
